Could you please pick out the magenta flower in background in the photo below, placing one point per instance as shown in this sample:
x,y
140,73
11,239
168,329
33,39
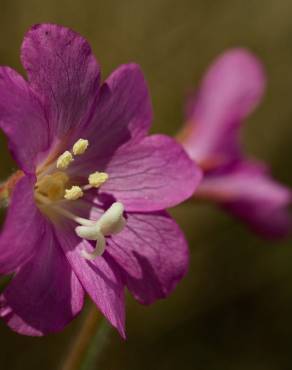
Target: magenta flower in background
x,y
230,91
87,213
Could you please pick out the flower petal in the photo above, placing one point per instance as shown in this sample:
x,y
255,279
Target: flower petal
x,y
231,89
22,119
123,113
45,294
152,175
248,192
152,253
63,70
98,277
23,229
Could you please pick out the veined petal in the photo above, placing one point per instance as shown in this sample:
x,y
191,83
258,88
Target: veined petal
x,y
123,113
63,71
125,105
152,253
45,294
231,89
23,230
98,277
154,174
248,192
22,119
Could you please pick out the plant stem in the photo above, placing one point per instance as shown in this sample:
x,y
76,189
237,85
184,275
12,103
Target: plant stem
x,y
97,346
81,343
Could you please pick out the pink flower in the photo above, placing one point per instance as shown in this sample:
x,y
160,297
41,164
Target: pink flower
x,y
87,215
230,91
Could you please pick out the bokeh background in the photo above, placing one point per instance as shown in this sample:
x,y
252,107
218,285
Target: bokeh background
x,y
234,309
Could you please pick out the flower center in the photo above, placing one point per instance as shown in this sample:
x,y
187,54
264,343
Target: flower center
x,y
53,186
54,193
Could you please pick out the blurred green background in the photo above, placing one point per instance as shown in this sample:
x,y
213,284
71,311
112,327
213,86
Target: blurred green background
x,y
234,309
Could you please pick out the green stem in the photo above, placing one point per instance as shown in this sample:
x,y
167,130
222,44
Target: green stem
x,y
79,348
96,347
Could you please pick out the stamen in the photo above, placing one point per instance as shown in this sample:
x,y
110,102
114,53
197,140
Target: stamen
x,y
80,146
111,222
96,179
74,193
64,160
44,201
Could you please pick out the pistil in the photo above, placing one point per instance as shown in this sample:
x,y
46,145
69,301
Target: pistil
x,y
111,222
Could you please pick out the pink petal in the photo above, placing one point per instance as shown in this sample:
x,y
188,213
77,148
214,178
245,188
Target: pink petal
x,y
123,113
152,175
98,278
63,71
152,253
230,91
45,294
248,192
23,230
22,119
125,105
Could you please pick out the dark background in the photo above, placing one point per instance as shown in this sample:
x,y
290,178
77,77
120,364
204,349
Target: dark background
x,y
234,309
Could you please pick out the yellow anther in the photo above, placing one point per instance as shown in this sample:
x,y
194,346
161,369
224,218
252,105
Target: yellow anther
x,y
74,193
64,160
80,146
96,179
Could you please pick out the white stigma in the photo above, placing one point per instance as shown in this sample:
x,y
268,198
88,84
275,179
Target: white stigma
x,y
111,222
